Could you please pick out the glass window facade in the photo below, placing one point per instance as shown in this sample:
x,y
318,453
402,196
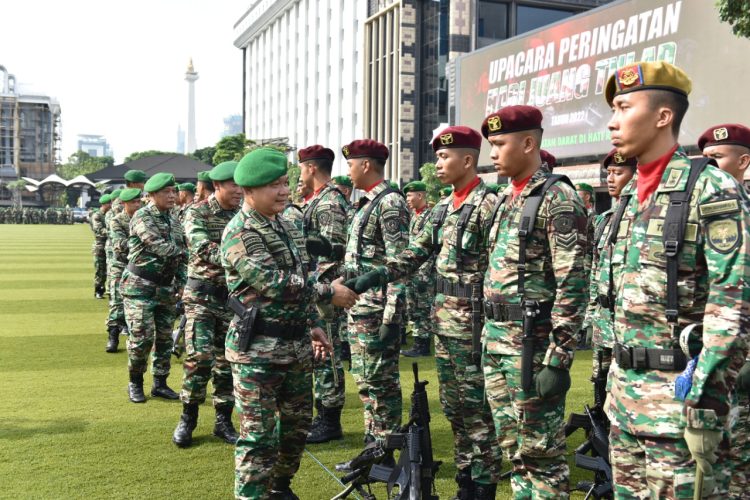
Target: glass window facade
x,y
529,18
492,22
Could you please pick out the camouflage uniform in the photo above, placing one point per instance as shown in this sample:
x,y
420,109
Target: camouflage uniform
x,y
119,234
266,265
374,360
739,453
108,250
459,264
98,249
155,273
649,454
420,292
530,429
293,213
325,215
205,306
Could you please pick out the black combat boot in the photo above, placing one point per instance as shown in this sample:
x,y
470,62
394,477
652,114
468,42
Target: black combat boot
x,y
280,489
421,347
327,428
183,433
484,491
99,292
160,389
114,339
223,427
135,388
318,414
465,485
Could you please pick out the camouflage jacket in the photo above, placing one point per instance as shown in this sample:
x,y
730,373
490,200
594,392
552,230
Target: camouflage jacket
x,y
157,244
182,212
713,276
426,272
119,233
293,213
204,224
473,252
385,234
117,207
325,215
98,227
555,274
267,265
598,317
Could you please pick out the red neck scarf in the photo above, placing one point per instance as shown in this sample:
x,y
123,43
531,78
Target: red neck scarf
x,y
518,186
649,174
374,186
460,195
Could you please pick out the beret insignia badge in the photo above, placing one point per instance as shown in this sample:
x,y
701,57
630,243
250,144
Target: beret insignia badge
x,y
628,77
618,158
345,150
446,139
721,133
494,124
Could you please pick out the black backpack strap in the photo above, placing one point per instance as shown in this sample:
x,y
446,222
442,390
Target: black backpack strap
x,y
673,236
307,216
526,227
438,218
463,221
366,217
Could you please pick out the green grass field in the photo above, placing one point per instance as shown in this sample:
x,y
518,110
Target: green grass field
x,y
67,429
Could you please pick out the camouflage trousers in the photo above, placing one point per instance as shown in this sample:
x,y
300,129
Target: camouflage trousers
x,y
648,467
150,318
205,332
375,370
530,430
275,407
326,390
420,294
464,405
739,453
100,266
116,316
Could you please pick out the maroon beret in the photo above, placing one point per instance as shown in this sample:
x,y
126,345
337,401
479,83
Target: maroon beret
x,y
365,148
512,119
457,137
316,152
548,158
617,160
729,133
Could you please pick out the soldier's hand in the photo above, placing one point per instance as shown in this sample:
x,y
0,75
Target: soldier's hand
x,y
342,295
743,378
702,444
552,382
320,344
319,246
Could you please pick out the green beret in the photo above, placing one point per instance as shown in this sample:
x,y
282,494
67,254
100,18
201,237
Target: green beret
x,y
204,176
224,171
493,186
415,186
260,167
343,180
446,191
582,186
394,185
187,186
159,181
115,194
130,194
104,199
501,187
135,176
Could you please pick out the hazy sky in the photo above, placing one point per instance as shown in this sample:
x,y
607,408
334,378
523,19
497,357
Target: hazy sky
x,y
118,68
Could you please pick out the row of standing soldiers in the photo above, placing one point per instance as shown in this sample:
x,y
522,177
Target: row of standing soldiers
x,y
668,300
32,215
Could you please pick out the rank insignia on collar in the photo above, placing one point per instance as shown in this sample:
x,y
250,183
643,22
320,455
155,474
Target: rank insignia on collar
x,y
494,124
721,133
446,139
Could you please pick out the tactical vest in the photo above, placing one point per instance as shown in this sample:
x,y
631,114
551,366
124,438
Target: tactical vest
x,y
279,246
310,208
364,222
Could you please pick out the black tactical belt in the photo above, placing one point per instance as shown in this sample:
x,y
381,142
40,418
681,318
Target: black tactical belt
x,y
500,311
641,358
280,330
605,302
161,280
200,286
452,289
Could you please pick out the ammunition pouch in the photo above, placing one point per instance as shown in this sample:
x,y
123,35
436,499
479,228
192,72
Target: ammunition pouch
x,y
641,358
452,289
216,291
158,279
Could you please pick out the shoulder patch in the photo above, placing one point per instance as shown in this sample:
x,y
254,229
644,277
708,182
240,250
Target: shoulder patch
x,y
563,224
724,235
719,207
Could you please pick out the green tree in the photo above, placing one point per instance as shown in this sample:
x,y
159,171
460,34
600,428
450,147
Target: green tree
x,y
17,188
145,154
82,163
230,148
737,14
206,155
293,177
427,171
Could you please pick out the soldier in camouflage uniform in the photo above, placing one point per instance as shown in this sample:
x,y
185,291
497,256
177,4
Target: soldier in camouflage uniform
x,y
119,234
599,312
133,179
456,237
344,183
204,187
420,292
152,281
100,241
729,145
187,199
671,379
379,231
534,288
324,228
116,208
206,311
266,267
